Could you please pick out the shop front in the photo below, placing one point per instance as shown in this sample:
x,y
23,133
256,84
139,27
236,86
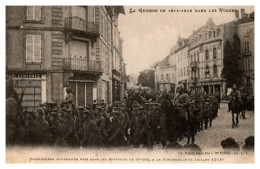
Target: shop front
x,y
32,85
84,89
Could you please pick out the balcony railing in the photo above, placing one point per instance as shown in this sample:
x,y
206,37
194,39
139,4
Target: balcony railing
x,y
193,64
76,23
194,79
82,65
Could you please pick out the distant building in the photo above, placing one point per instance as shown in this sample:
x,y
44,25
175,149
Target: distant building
x,y
245,30
164,77
49,48
182,67
206,47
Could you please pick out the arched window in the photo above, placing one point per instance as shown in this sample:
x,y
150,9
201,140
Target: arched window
x,y
214,53
207,72
207,54
215,70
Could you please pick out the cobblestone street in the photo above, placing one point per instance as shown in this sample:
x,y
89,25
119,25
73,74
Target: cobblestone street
x,y
222,129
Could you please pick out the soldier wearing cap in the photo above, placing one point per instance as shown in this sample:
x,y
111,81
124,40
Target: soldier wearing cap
x,y
69,130
90,131
182,102
55,129
207,112
140,128
78,118
116,132
41,127
154,123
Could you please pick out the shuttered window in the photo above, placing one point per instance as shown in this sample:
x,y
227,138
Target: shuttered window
x,y
34,13
33,48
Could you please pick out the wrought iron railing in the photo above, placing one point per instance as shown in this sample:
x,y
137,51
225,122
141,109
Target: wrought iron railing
x,y
82,64
194,79
193,64
78,23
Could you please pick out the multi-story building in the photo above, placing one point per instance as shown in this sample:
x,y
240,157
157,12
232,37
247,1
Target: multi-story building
x,y
123,71
245,30
206,47
165,76
52,47
182,67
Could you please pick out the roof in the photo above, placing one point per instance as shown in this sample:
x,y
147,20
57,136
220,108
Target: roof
x,y
249,18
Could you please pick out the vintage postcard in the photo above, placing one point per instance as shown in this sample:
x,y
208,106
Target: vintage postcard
x,y
130,84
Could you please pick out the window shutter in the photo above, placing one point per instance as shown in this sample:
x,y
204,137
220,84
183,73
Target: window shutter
x,y
29,12
37,48
29,48
37,13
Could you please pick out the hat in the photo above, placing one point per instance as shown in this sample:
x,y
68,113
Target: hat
x,y
116,112
81,108
88,107
86,112
54,114
55,110
180,86
139,108
40,111
207,99
98,107
67,111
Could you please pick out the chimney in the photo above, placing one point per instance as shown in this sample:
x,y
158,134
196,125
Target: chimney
x,y
242,13
237,14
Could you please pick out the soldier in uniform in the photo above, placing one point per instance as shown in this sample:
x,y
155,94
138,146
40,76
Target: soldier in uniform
x,y
90,131
141,129
55,131
154,123
207,112
69,100
182,103
69,130
217,95
41,125
79,118
116,132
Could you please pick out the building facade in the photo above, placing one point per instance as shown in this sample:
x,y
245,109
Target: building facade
x,y
182,66
165,76
50,48
206,47
245,30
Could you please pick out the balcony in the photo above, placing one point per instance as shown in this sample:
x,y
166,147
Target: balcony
x,y
79,64
194,79
81,27
193,64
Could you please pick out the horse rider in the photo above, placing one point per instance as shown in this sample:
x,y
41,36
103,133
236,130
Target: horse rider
x,y
182,102
69,100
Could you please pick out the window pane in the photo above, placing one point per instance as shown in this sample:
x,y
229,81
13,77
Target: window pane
x,y
37,13
29,48
29,12
37,53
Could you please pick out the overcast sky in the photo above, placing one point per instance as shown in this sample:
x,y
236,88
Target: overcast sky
x,y
148,36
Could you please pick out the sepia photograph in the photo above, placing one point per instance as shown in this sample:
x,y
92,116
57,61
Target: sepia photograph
x,y
129,84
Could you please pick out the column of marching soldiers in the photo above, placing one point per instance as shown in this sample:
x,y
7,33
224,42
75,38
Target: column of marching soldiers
x,y
137,121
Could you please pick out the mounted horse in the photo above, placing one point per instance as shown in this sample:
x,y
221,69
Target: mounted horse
x,y
180,121
235,105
